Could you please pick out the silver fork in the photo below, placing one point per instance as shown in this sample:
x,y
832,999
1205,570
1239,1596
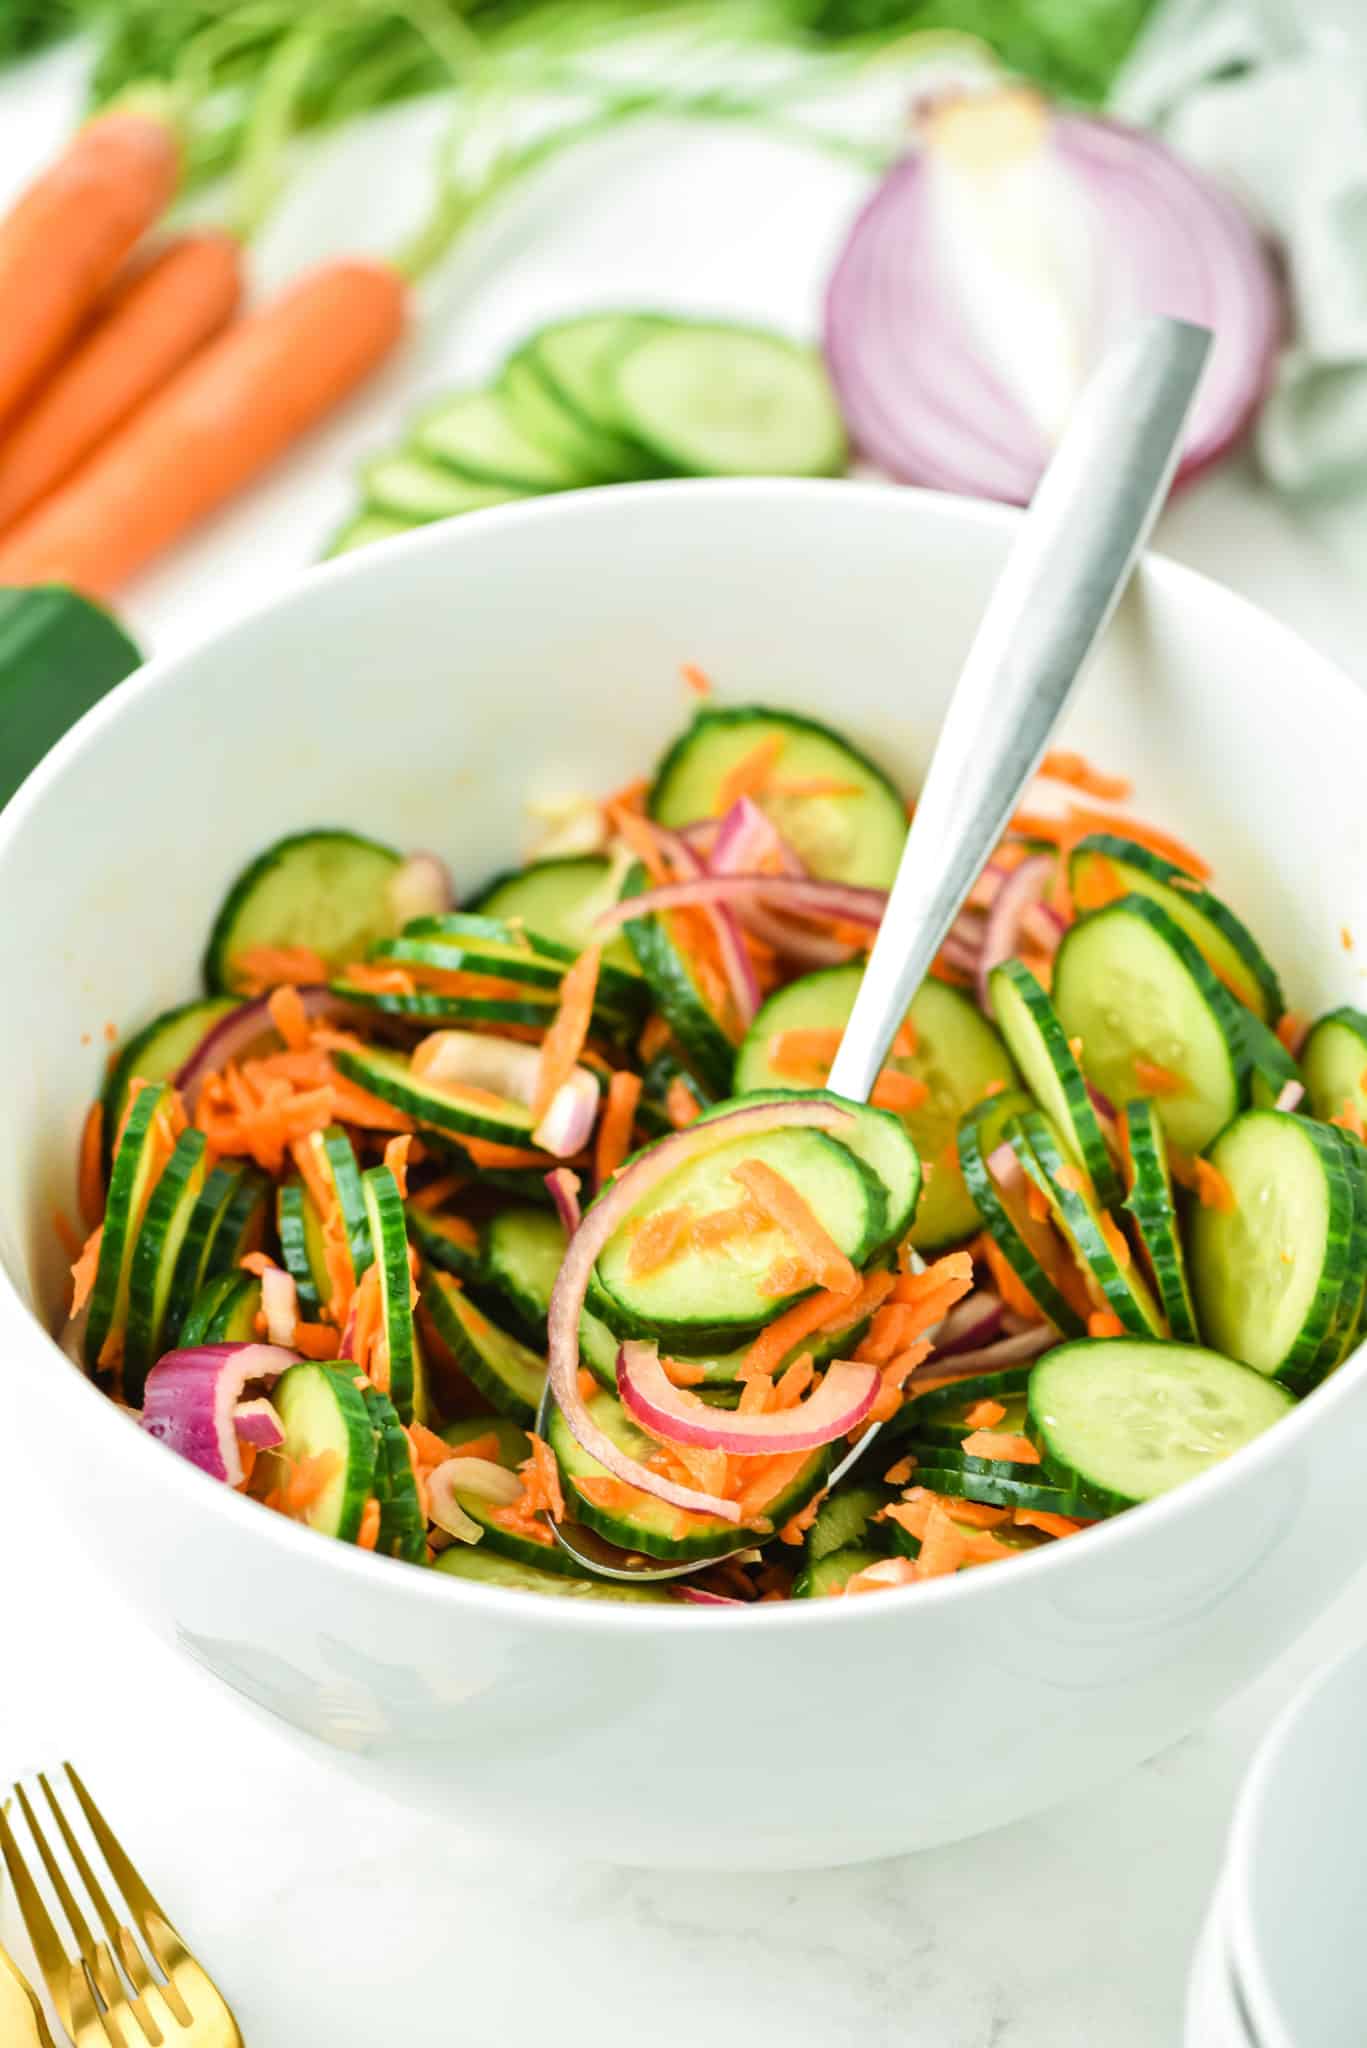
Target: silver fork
x,y
113,1992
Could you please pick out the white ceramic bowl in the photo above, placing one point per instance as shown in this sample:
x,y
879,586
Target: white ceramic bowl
x,y
1213,2018
423,692
1294,1894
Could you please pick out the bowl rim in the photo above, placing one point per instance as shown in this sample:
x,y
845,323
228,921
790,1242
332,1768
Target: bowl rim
x,y
1189,587
1240,1920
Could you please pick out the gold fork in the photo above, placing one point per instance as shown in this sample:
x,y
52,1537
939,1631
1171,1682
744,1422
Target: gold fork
x,y
103,2002
21,2020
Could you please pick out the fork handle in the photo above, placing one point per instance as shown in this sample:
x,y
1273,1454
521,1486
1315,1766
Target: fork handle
x,y
1071,559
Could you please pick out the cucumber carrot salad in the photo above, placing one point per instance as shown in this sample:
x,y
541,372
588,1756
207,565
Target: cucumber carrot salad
x,y
1103,1221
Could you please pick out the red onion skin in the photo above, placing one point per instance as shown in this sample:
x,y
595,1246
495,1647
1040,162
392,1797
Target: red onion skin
x,y
922,407
191,1397
600,1223
839,1405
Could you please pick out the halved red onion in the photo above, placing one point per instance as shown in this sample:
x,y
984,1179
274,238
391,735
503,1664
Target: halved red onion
x,y
972,1322
564,1189
1016,1350
1023,887
279,1305
257,1423
245,1031
839,1404
191,1400
443,1507
1290,1095
505,1067
993,267
799,895
600,1223
420,887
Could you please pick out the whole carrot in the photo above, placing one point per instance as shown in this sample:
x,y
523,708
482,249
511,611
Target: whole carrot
x,y
65,238
143,330
227,414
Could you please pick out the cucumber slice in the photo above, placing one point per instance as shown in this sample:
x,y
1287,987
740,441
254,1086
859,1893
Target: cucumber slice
x,y
408,486
542,416
466,943
1150,1202
130,1187
1104,1256
240,1226
1132,986
156,1053
705,1296
923,1412
389,1245
727,401
598,1348
854,838
205,1219
508,1375
487,1568
878,1138
155,1256
1126,1420
514,1444
703,1033
388,1075
1032,1248
1334,1062
1039,1045
447,1242
577,359
844,1520
301,1245
1101,860
1342,1336
652,1111
946,1427
59,654
1002,1483
1270,1065
403,1527
1267,1275
829,1575
561,899
224,1311
523,1251
324,1412
534,1009
541,1555
958,1056
651,1526
329,891
476,434
364,529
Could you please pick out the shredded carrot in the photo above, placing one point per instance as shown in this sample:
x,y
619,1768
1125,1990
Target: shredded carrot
x,y
1158,1080
785,1207
1213,1191
900,1092
641,837
750,774
1349,1118
1006,1280
565,1040
438,1191
1116,1242
308,1481
262,968
614,1132
542,1479
1077,771
881,1577
487,1153
396,1159
68,1235
1051,1524
803,1055
660,1240
787,1275
900,1473
993,1443
942,1546
368,1535
802,1320
289,1017
1073,1179
796,1527
316,1340
1037,1203
1103,1322
983,1414
655,1036
1292,1029
1345,938
696,680
90,1180
975,1514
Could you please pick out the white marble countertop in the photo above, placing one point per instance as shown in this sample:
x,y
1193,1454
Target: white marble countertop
x,y
328,1915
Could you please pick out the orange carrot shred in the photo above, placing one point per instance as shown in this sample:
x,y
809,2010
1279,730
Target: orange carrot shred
x,y
1349,1118
983,1414
90,1180
396,1159
1059,765
1050,1523
1103,1322
1116,1241
289,1016
564,1041
993,1443
681,1104
1158,1080
368,1535
900,1092
750,774
661,1239
1213,1191
614,1132
68,1236
697,681
790,1213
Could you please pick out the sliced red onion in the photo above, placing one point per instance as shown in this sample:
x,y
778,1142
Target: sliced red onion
x,y
989,1357
1102,1104
1023,887
1290,1096
971,1323
600,1223
443,1507
844,1397
994,266
243,1032
746,837
280,1305
257,1423
698,1596
482,1478
800,944
420,887
798,895
564,1187
191,1399
959,955
504,1066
